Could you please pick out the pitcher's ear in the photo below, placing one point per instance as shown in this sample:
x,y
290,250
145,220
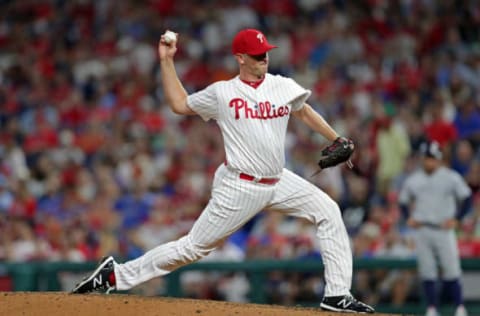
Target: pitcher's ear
x,y
240,58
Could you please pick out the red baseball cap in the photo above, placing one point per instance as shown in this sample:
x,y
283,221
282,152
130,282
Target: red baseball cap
x,y
251,42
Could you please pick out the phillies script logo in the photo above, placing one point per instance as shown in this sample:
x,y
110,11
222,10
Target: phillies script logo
x,y
262,110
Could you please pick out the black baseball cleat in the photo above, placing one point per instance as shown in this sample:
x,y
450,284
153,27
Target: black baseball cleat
x,y
345,303
101,280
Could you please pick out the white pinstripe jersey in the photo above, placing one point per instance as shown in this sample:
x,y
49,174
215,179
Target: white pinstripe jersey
x,y
253,121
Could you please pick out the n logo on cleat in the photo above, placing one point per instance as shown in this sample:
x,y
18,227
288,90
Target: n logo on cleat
x,y
344,303
97,280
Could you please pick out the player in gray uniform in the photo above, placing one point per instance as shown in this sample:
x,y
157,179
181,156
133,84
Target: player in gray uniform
x,y
432,195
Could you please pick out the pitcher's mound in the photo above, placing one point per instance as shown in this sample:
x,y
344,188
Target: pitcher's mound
x,y
56,304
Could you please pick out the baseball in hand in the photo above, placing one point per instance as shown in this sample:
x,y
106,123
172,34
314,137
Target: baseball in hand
x,y
170,37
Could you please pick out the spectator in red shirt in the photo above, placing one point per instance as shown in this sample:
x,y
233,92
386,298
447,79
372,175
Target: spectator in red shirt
x,y
439,129
468,243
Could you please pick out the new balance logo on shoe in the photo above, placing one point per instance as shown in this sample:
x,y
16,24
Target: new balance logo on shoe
x,y
97,281
345,303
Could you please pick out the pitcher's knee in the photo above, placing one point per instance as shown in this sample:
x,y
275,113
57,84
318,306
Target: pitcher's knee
x,y
334,211
195,251
328,214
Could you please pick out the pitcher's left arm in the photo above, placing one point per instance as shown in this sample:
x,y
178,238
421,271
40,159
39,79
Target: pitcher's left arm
x,y
316,122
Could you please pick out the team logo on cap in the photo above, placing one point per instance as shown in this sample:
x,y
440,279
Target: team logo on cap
x,y
260,37
431,149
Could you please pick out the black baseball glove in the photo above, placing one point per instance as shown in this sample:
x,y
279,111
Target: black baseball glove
x,y
337,152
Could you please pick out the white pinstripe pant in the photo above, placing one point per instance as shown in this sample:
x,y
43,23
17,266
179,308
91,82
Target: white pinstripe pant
x,y
235,201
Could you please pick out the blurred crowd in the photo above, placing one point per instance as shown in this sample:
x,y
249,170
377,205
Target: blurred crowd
x,y
93,162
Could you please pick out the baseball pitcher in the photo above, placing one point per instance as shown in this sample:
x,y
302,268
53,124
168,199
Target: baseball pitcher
x,y
252,111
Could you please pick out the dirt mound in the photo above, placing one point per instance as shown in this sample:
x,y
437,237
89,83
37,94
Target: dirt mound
x,y
53,304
